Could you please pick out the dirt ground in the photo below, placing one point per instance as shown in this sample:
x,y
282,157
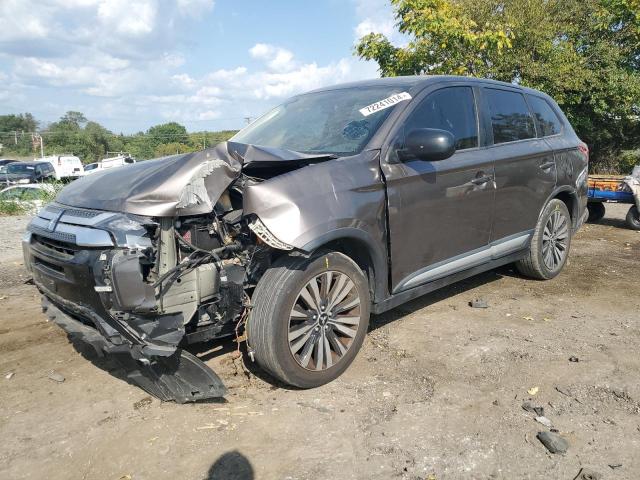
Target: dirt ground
x,y
436,392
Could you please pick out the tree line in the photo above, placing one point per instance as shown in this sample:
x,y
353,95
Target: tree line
x,y
75,134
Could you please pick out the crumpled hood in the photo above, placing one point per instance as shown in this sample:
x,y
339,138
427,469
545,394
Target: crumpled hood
x,y
186,184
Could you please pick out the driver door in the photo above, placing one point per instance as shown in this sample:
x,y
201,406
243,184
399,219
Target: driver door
x,y
440,212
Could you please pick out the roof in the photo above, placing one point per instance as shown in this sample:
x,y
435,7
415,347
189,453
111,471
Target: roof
x,y
420,81
35,162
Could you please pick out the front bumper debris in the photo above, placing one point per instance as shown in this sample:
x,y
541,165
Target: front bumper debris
x,y
181,377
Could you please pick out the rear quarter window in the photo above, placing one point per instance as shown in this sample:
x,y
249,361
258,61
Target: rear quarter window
x,y
510,116
547,120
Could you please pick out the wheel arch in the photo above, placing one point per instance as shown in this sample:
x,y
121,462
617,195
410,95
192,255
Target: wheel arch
x,y
569,197
361,248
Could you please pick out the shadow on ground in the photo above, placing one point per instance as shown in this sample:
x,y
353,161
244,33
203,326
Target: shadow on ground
x,y
231,466
210,350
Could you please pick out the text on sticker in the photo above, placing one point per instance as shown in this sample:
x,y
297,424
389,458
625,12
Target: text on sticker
x,y
386,103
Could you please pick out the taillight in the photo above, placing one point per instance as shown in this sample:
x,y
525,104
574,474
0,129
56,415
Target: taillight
x,y
584,149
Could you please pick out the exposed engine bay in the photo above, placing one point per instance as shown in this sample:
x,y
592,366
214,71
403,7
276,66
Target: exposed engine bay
x,y
145,286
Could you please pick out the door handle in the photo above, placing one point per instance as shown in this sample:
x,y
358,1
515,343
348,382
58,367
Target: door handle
x,y
481,180
547,165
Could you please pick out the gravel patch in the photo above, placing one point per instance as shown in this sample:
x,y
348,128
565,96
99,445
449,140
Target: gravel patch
x,y
11,230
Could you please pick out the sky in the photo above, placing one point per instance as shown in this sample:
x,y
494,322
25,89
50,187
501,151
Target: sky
x,y
207,64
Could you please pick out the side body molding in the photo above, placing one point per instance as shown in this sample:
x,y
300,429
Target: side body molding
x,y
337,199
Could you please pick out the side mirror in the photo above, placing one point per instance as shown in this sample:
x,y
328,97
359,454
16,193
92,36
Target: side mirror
x,y
430,144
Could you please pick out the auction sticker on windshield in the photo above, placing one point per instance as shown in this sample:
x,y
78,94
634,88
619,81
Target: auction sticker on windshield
x,y
386,103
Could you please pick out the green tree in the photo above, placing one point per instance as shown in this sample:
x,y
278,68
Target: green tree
x,y
15,133
74,119
171,132
584,53
173,148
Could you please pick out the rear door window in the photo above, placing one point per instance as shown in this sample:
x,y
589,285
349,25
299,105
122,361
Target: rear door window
x,y
547,120
452,109
510,117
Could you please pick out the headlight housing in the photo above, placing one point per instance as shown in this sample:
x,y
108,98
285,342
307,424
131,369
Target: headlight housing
x,y
263,233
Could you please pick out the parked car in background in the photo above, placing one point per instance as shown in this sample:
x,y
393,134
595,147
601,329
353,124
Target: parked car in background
x,y
30,197
339,203
67,167
27,172
119,160
6,161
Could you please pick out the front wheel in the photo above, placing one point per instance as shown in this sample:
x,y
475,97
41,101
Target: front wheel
x,y
309,318
633,218
550,243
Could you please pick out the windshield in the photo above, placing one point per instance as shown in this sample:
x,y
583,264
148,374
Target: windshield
x,y
20,168
91,166
339,122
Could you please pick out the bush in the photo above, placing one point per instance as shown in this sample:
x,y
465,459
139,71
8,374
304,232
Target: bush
x,y
628,160
28,206
10,207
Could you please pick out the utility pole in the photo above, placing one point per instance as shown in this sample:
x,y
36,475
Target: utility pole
x,y
35,139
15,137
248,120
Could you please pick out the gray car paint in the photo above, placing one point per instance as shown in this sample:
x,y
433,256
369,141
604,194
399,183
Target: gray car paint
x,y
435,211
187,184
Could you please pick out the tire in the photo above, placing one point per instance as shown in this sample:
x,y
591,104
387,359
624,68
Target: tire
x,y
549,237
596,211
274,328
633,218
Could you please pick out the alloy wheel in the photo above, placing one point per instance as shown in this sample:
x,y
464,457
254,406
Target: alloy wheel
x,y
324,321
554,240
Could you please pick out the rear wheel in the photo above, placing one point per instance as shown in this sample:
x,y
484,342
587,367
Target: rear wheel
x,y
596,211
550,243
633,218
310,317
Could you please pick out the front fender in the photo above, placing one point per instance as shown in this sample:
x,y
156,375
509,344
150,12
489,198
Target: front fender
x,y
309,207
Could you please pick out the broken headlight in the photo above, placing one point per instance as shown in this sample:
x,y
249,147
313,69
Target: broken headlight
x,y
266,236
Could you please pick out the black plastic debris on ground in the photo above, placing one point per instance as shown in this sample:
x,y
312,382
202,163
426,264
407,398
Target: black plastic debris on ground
x,y
553,442
529,407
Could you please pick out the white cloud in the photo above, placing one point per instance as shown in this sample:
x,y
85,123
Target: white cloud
x,y
276,58
376,16
369,25
195,8
127,60
209,115
183,81
17,22
240,84
128,17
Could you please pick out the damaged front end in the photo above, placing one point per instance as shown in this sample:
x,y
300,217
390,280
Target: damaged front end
x,y
143,261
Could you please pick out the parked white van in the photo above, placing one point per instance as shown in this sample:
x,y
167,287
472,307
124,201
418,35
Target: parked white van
x,y
66,166
120,160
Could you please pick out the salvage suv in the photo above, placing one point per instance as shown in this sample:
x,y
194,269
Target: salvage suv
x,y
340,203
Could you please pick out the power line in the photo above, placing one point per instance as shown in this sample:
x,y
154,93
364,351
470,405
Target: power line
x,y
132,135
